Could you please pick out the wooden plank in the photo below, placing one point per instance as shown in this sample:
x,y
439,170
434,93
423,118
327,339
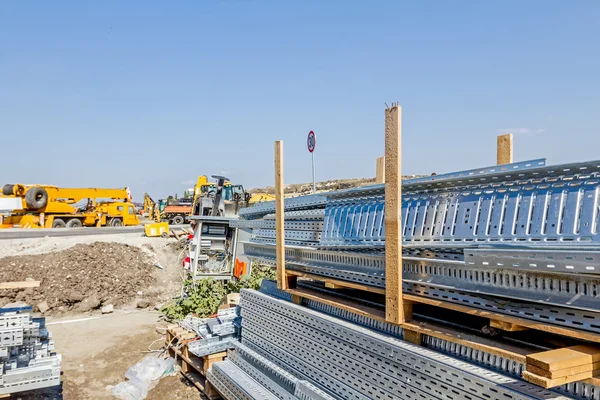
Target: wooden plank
x,y
540,326
513,353
335,283
348,305
567,357
550,383
506,326
19,285
562,372
380,170
413,336
394,308
504,149
279,217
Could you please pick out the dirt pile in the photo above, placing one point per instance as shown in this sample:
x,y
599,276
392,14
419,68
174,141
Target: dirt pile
x,y
81,278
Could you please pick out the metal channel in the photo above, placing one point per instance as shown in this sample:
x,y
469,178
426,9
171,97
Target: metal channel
x,y
239,383
298,225
260,376
277,374
289,234
476,380
539,260
299,367
316,214
566,290
290,204
496,173
578,389
367,375
546,214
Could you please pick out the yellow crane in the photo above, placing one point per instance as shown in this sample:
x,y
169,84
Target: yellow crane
x,y
46,206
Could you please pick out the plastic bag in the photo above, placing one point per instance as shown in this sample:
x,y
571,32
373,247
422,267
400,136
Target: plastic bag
x,y
142,377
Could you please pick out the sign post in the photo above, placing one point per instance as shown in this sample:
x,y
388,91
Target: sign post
x,y
311,143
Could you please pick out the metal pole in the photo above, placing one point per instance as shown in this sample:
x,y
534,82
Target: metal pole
x,y
313,170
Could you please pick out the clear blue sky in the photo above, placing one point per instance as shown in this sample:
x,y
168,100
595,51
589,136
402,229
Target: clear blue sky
x,y
151,95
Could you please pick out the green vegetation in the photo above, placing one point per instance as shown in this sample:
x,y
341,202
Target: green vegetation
x,y
203,297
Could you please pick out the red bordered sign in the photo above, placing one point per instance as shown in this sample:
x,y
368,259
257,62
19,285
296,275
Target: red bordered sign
x,y
311,141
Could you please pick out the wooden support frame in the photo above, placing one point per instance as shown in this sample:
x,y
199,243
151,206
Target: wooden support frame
x,y
380,170
394,309
282,282
504,149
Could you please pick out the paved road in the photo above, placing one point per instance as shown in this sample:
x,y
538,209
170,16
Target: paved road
x,y
17,233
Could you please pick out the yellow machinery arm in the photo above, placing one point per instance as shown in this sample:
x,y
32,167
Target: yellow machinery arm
x,y
52,199
148,204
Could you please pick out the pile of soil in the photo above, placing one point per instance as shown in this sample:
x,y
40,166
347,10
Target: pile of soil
x,y
81,278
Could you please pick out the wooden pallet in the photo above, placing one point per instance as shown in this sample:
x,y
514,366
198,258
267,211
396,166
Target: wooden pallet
x,y
192,367
497,320
414,329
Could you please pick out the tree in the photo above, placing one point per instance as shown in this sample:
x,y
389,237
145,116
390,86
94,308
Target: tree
x,y
186,195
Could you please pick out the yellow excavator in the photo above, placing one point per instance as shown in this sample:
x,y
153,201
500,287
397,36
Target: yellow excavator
x,y
46,206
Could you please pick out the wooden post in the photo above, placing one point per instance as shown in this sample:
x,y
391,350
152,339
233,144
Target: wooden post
x,y
394,307
504,149
282,282
380,172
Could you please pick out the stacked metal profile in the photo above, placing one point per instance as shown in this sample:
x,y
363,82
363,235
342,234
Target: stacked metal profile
x,y
26,351
285,343
214,334
520,239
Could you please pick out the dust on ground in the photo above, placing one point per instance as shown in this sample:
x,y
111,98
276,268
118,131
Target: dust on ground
x,y
97,353
81,274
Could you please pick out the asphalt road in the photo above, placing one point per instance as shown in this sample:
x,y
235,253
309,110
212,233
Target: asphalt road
x,y
18,233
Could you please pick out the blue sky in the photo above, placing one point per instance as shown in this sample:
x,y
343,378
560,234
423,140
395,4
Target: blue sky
x,y
150,95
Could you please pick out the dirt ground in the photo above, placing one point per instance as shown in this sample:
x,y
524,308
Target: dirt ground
x,y
97,349
79,274
97,352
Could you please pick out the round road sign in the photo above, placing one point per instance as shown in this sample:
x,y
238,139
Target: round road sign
x,y
311,141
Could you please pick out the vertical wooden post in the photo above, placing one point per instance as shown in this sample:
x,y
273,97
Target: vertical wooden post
x,y
380,172
504,149
394,307
282,282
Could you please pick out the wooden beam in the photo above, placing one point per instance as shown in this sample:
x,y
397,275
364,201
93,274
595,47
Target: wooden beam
x,y
19,285
394,309
504,149
505,326
380,171
540,326
282,282
336,283
344,304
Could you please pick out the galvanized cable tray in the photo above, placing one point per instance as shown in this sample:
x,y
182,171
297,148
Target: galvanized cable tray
x,y
476,381
564,290
580,390
290,204
562,212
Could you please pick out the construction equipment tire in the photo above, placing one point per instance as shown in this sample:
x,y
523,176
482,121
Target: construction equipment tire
x,y
178,220
58,223
116,222
36,198
74,223
7,190
164,235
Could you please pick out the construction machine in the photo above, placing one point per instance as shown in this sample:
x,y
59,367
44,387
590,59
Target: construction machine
x,y
232,197
148,205
46,206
